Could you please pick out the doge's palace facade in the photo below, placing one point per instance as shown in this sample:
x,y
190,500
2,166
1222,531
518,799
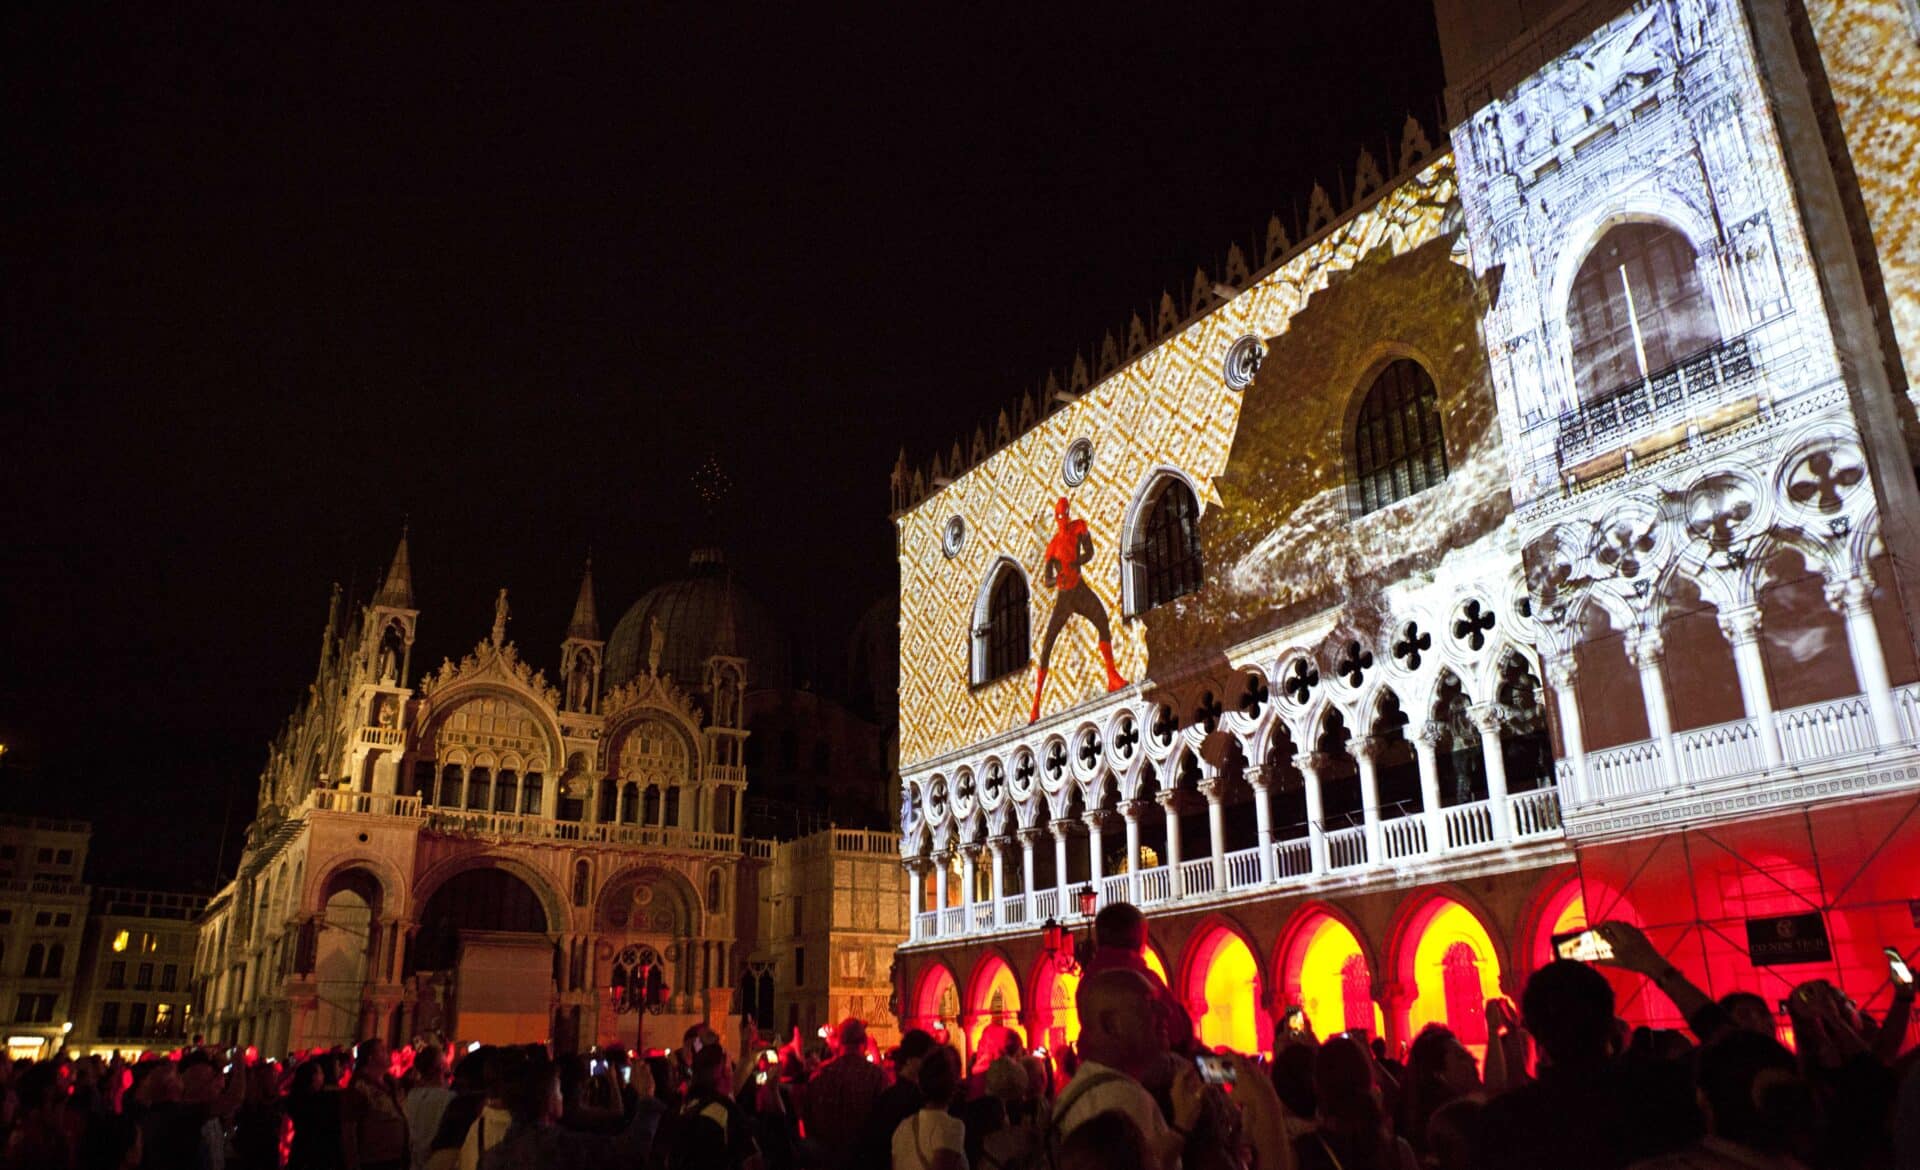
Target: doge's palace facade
x,y
1522,547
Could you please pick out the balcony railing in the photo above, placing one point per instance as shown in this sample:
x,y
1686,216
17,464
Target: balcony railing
x,y
1155,884
481,823
1196,877
1814,733
1347,848
378,804
1670,395
1404,836
1243,868
1535,814
1836,733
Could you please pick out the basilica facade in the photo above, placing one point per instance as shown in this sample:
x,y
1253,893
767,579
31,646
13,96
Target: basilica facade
x,y
1527,544
476,853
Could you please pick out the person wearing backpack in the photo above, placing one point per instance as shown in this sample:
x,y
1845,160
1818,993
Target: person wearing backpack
x,y
933,1139
1123,1034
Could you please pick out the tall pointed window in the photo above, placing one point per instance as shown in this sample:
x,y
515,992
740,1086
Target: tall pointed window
x,y
1398,448
1638,308
1003,643
1166,552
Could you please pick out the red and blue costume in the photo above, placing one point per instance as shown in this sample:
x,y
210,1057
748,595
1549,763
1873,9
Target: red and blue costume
x,y
1069,549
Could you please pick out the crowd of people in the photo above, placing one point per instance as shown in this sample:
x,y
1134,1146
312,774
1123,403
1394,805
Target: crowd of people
x,y
1564,1083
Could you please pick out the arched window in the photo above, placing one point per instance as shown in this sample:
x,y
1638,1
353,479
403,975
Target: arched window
x,y
672,819
1637,308
36,958
56,959
1398,450
1166,547
713,891
1002,643
582,878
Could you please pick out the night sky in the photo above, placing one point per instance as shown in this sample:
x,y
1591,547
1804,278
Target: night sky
x,y
275,282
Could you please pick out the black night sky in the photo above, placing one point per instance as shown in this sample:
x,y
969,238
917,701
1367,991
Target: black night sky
x,y
276,280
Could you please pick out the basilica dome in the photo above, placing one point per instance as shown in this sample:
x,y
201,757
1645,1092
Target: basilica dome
x,y
690,611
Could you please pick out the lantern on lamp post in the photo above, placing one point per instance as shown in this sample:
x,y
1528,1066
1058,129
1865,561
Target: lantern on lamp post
x,y
1089,900
1057,941
639,981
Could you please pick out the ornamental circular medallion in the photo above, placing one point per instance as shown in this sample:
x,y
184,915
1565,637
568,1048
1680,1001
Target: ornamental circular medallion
x,y
953,536
1079,461
1243,362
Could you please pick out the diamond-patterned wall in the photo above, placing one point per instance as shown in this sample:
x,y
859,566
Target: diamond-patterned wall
x,y
1871,51
1170,407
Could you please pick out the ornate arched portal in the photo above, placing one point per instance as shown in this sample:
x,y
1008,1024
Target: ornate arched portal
x,y
657,911
1224,992
1448,958
1325,973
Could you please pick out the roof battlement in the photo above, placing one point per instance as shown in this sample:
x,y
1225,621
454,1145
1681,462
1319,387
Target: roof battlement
x,y
912,486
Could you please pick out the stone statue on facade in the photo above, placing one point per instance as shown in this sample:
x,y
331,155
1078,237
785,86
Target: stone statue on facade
x,y
500,619
656,645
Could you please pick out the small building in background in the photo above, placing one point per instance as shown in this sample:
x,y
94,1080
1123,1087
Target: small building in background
x,y
132,992
43,907
836,906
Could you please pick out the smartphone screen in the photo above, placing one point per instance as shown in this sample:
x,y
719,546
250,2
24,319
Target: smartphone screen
x,y
1294,1020
760,1078
597,1066
626,1074
1897,966
1582,946
1214,1068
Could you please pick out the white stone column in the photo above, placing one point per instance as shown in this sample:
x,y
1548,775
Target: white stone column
x,y
1573,743
916,898
1310,764
1216,829
1854,601
1095,863
1263,824
969,877
1027,838
550,796
941,862
999,847
1366,757
1170,812
1645,651
1486,718
1426,745
1132,812
1742,628
1060,830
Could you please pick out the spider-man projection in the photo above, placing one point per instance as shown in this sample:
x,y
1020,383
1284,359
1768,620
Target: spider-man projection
x,y
1070,548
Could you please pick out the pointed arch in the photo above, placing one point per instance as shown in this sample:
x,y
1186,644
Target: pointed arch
x,y
1002,630
1160,541
1221,982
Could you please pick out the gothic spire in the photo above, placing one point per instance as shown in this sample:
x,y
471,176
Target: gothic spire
x,y
397,593
586,621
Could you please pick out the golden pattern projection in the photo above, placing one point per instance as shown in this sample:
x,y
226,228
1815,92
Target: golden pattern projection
x,y
1871,52
1170,408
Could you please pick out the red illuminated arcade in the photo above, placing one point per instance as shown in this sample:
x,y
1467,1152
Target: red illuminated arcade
x,y
1523,547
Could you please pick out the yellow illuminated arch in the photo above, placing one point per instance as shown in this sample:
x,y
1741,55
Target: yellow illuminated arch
x,y
1455,971
1063,1027
995,998
1334,981
1224,979
1155,965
